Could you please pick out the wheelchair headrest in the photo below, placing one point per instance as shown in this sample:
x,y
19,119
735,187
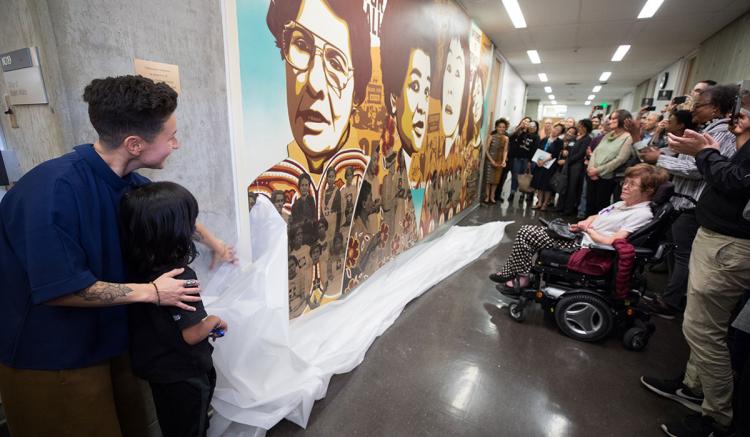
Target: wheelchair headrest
x,y
663,193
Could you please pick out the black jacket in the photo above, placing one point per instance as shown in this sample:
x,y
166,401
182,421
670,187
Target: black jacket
x,y
727,191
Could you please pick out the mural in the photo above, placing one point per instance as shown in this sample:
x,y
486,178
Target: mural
x,y
385,112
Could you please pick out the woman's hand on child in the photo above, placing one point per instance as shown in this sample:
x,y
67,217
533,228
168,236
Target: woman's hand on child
x,y
174,292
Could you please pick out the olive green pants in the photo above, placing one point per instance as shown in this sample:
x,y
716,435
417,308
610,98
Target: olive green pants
x,y
101,400
719,275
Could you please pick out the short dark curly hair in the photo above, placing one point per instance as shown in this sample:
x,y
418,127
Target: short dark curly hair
x,y
281,12
723,97
128,105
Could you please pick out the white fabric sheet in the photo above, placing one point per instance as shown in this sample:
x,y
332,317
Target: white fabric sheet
x,y
270,368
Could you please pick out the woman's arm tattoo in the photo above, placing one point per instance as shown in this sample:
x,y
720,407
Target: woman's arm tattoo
x,y
104,292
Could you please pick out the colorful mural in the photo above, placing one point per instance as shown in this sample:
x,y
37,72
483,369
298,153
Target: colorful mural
x,y
385,112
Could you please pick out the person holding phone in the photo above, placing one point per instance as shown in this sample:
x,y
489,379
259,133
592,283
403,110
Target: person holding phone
x,y
710,116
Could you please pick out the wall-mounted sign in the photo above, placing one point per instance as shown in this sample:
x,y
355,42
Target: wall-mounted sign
x,y
159,72
664,95
23,77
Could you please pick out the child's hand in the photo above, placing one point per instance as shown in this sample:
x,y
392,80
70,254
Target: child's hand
x,y
219,330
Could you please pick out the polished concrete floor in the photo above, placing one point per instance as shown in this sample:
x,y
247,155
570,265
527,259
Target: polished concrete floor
x,y
455,364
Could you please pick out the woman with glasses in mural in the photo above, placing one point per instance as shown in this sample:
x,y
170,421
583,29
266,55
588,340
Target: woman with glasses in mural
x,y
325,45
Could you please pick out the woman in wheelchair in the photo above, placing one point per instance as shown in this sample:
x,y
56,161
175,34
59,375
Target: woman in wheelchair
x,y
614,222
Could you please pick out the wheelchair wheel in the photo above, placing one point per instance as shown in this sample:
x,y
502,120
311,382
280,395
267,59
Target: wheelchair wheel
x,y
517,312
584,317
635,338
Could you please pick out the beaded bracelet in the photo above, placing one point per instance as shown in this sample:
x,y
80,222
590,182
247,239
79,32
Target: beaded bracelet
x,y
158,299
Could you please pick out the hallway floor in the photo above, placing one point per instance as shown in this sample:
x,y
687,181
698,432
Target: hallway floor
x,y
454,363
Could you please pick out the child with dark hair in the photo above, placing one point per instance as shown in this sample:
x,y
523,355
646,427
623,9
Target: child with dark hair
x,y
168,345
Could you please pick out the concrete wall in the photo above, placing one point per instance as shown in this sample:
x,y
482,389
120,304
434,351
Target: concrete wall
x,y
725,56
81,40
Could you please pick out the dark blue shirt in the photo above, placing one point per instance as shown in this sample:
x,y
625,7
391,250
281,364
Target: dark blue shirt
x,y
59,235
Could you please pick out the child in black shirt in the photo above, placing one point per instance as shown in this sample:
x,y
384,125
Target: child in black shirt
x,y
168,345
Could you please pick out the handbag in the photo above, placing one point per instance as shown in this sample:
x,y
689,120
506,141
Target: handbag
x,y
559,228
559,181
524,182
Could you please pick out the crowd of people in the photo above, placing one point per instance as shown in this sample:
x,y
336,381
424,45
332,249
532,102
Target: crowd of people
x,y
603,171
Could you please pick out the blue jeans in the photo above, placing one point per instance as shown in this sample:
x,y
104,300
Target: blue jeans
x,y
518,167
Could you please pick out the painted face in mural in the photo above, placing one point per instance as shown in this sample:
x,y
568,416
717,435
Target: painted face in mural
x,y
477,97
412,105
453,86
319,85
331,179
304,188
278,200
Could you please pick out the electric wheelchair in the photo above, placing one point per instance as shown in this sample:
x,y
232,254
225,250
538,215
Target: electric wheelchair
x,y
584,306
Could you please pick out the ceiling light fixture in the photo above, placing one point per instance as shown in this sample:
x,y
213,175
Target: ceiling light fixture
x,y
649,9
596,89
605,76
587,102
543,77
551,97
620,53
514,12
534,56
548,89
554,102
591,97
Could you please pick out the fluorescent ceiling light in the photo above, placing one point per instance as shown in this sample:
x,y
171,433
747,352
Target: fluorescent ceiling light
x,y
649,9
620,53
543,77
548,89
534,56
605,76
596,89
591,97
551,97
515,14
554,102
587,102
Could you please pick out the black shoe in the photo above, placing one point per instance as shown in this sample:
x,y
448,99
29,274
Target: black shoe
x,y
695,425
660,309
494,277
674,389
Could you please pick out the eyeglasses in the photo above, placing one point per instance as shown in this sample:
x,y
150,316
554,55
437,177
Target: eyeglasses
x,y
301,45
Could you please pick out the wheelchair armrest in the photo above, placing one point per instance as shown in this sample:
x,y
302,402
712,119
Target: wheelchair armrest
x,y
605,247
643,252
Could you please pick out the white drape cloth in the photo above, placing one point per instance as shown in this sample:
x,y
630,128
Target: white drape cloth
x,y
270,368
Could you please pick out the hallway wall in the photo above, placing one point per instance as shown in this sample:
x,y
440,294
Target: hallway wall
x,y
80,40
725,56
